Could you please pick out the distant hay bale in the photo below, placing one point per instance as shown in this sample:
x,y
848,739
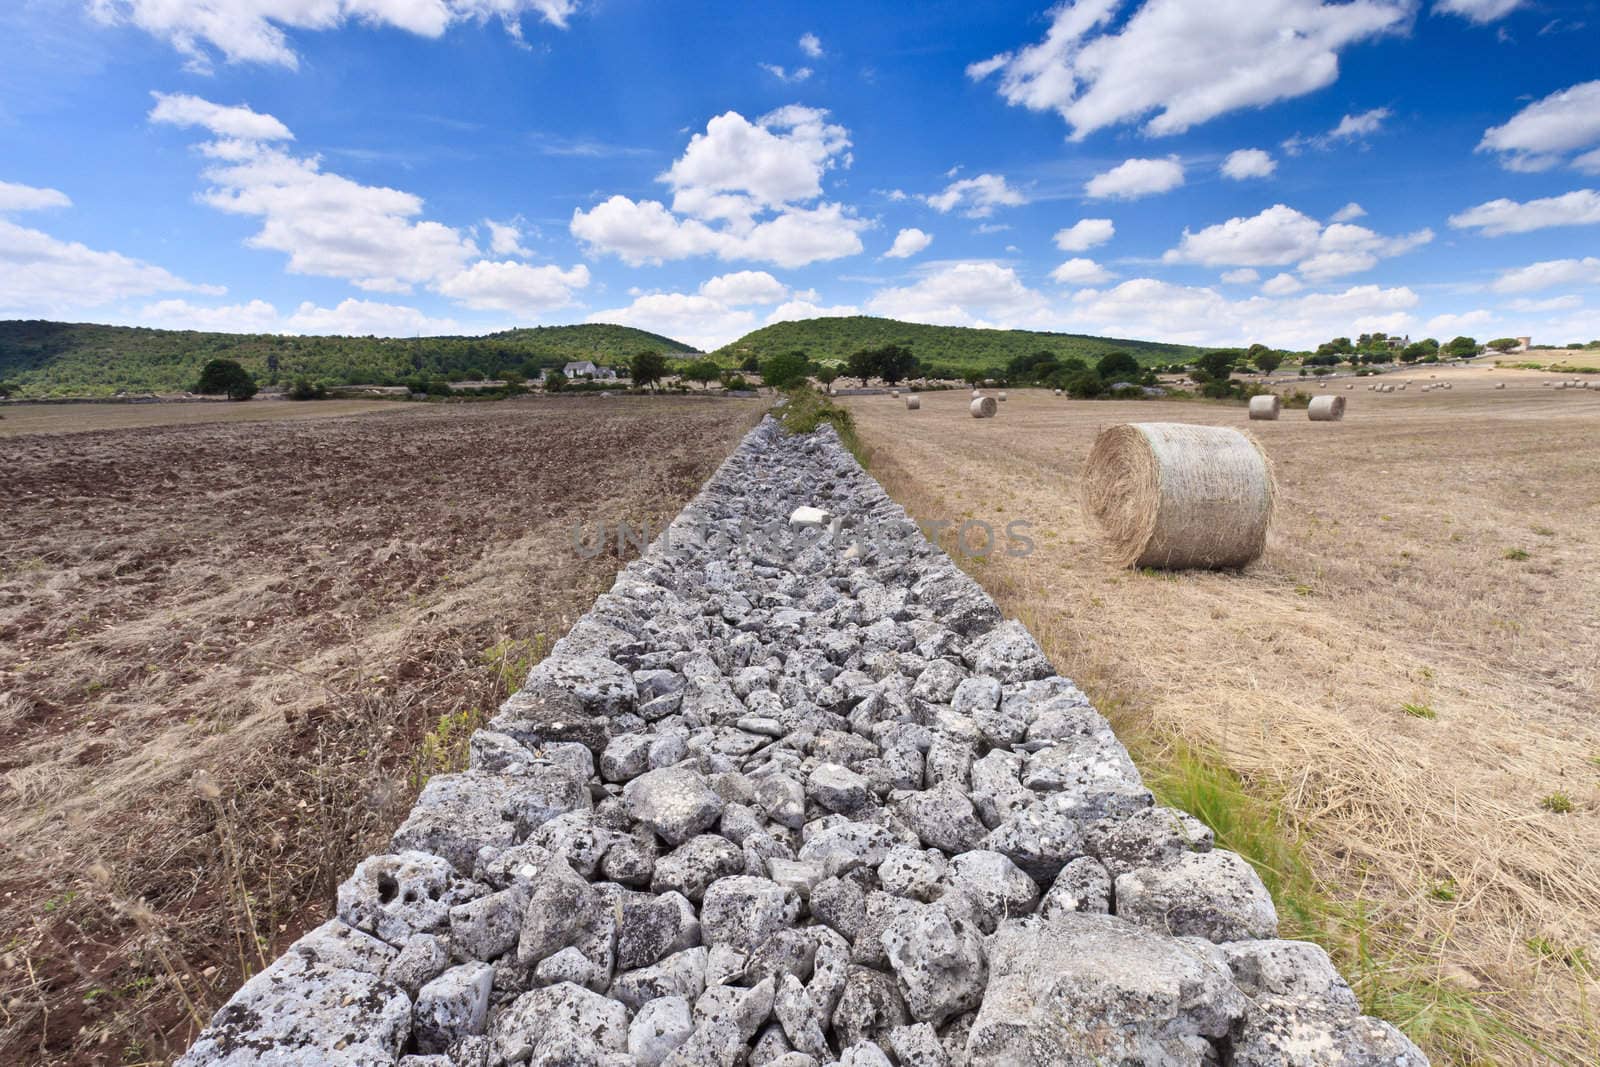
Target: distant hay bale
x,y
1352,385
1002,395
1265,407
913,403
1326,409
1173,495
894,392
1500,385
1058,392
984,407
1402,386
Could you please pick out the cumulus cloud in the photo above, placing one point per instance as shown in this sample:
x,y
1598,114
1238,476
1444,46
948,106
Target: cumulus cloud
x,y
1280,235
15,196
361,318
908,242
43,277
1350,128
1148,307
741,190
237,121
785,74
1479,11
1175,64
795,310
700,320
256,316
811,45
1541,135
1242,276
1550,272
1135,178
252,31
979,195
1080,271
1248,163
505,238
1282,285
1499,217
1085,234
1349,213
744,287
980,293
514,287
1464,323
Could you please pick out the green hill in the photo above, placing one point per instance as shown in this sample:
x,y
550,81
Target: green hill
x,y
959,348
79,359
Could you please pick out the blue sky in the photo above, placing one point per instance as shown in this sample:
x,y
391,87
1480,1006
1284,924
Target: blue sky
x,y
1210,171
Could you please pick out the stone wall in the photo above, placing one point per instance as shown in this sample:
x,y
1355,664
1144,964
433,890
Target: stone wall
x,y
789,798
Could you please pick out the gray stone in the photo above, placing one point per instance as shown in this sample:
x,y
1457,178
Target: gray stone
x,y
452,1006
866,1054
838,788
782,799
337,944
420,960
692,867
682,974
647,929
941,818
1083,885
395,896
1086,990
1008,652
601,686
913,873
799,876
939,963
456,815
869,1008
744,912
658,1029
675,802
537,715
560,905
1301,1031
798,1016
841,849
299,1012
1215,895
841,904
1038,839
576,838
544,794
626,757
488,927
554,1014
571,965
939,682
917,1046
1150,838
1289,969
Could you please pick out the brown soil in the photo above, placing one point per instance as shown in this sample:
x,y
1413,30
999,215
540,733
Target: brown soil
x,y
231,651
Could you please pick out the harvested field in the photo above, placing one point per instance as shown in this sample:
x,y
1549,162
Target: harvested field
x,y
230,653
1409,673
18,419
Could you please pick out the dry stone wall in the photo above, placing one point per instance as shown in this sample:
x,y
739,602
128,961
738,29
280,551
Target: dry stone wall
x,y
798,797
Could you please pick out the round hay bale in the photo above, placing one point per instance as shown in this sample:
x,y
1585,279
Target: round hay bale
x,y
1174,495
1002,395
1352,385
1265,407
1058,392
1326,409
1500,385
894,392
984,407
1402,386
913,403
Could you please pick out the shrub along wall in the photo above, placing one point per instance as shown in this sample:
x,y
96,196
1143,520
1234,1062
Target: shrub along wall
x,y
796,797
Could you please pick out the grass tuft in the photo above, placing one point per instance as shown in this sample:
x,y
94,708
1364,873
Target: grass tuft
x,y
1558,803
1518,554
807,409
1419,711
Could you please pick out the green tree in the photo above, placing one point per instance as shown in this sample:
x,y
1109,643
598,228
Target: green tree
x,y
827,374
750,364
1504,344
1036,366
861,365
1461,348
702,371
1215,366
646,368
554,382
1083,384
1266,360
1339,346
1117,367
894,363
782,371
1413,352
225,377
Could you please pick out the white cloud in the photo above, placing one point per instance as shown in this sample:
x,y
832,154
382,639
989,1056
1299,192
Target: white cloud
x,y
1499,217
978,293
699,320
981,195
1280,235
1551,272
1248,163
795,310
515,287
1569,302
1350,128
784,74
744,287
360,318
1085,234
1540,135
1349,213
908,242
811,45
1134,178
1242,276
238,121
1282,285
727,179
1081,271
1479,11
1464,323
505,238
257,316
1185,62
252,31
15,196
43,277
1147,307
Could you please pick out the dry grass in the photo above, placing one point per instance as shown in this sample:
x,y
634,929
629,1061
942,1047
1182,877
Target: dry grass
x,y
1465,903
230,654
